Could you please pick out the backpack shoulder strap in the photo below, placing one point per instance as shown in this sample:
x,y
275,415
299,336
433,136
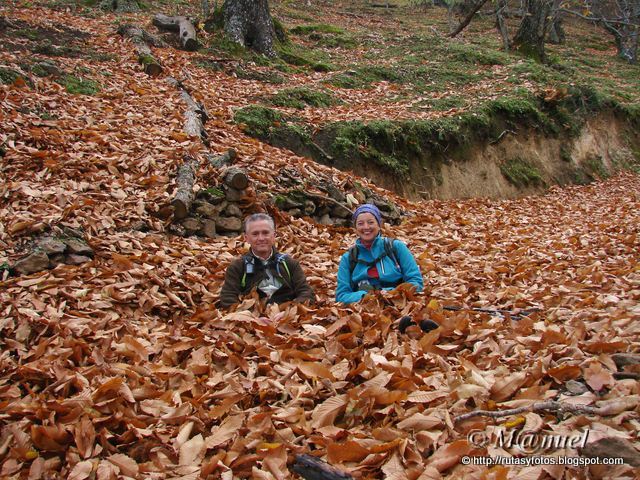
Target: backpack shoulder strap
x,y
246,260
353,258
281,259
392,253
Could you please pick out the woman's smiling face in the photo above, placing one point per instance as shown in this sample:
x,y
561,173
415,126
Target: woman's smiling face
x,y
367,227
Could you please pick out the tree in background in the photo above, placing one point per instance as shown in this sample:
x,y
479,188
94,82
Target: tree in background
x,y
247,23
621,18
539,16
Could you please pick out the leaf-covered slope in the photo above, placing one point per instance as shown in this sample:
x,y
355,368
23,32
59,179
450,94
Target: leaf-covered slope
x,y
123,366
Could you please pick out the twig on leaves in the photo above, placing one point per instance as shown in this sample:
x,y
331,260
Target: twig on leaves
x,y
549,406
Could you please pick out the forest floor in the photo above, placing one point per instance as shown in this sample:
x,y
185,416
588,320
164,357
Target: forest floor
x,y
123,367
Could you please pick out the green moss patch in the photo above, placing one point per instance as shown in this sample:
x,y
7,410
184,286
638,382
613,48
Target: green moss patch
x,y
259,121
79,85
521,172
301,97
8,76
319,28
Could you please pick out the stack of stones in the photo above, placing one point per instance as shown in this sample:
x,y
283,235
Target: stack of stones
x,y
335,208
215,212
65,246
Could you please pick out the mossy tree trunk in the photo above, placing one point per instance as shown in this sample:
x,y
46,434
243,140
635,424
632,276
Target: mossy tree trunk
x,y
556,33
249,23
530,37
121,6
622,20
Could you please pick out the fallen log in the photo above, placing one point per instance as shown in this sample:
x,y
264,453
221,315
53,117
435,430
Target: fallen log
x,y
236,178
312,468
184,196
195,116
140,40
224,159
182,25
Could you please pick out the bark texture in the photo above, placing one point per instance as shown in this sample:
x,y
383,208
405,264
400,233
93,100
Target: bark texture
x,y
530,38
120,6
195,116
141,40
181,25
249,23
184,197
312,468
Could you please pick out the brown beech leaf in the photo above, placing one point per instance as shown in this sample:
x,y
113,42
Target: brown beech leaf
x,y
350,451
315,370
505,387
81,470
597,376
449,455
326,413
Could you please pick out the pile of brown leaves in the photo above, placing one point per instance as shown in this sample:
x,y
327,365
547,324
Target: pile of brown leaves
x,y
122,367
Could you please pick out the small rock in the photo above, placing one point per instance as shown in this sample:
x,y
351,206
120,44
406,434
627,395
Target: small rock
x,y
233,195
322,211
340,211
51,246
35,262
57,259
295,212
191,225
309,207
208,228
228,224
342,222
233,210
177,229
623,359
576,388
72,232
383,205
206,209
73,259
612,447
326,220
334,192
49,68
140,226
79,247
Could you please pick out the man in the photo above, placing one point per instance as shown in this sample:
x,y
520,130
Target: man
x,y
277,277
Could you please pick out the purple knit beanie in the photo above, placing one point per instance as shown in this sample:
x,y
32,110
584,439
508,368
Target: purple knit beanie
x,y
368,208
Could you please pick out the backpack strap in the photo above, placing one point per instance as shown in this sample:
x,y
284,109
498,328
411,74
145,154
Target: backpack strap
x,y
248,267
392,253
389,251
281,259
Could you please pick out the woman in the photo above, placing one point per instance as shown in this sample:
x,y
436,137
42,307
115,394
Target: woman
x,y
374,262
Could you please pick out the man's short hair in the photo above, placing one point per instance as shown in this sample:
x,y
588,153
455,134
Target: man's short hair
x,y
256,217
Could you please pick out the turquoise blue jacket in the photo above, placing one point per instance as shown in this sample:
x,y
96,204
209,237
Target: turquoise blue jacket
x,y
390,275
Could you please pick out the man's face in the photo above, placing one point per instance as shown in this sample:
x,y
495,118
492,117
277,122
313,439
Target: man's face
x,y
261,236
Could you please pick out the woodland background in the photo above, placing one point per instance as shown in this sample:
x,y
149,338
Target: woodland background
x,y
115,362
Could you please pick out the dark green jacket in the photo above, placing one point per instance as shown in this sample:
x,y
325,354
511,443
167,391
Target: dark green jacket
x,y
294,283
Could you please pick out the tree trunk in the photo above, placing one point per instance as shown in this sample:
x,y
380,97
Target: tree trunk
x,y
236,178
182,25
249,23
140,38
223,160
471,10
556,33
529,39
120,6
185,180
195,116
501,25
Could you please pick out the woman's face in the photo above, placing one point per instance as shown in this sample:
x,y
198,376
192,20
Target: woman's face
x,y
367,227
